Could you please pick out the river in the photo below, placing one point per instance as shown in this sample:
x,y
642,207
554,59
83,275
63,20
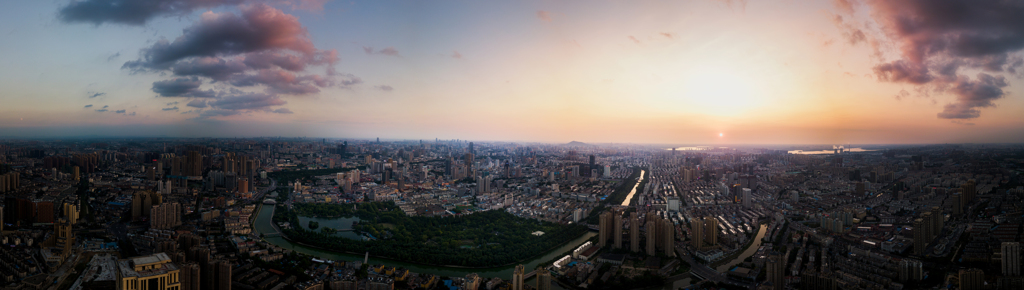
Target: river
x,y
632,192
264,220
746,253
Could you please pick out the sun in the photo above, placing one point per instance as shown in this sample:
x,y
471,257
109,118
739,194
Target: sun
x,y
721,135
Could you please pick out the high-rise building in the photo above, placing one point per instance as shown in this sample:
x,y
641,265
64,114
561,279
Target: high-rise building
x,y
697,232
860,188
937,220
472,281
143,202
65,238
223,275
972,279
776,265
652,234
967,192
70,212
634,232
747,199
920,237
189,276
9,182
165,216
911,270
669,237
74,173
1011,258
153,272
44,211
518,277
243,185
928,225
543,279
617,232
193,164
607,171
958,207
604,228
711,230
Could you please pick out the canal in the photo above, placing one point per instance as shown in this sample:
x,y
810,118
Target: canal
x,y
632,192
264,224
746,253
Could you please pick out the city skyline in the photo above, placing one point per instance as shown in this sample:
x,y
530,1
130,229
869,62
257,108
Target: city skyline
x,y
695,72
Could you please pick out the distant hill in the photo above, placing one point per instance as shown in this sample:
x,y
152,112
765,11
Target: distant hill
x,y
577,143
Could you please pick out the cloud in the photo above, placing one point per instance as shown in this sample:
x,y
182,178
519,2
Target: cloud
x,y
246,102
131,114
348,80
106,106
903,71
260,47
742,3
197,104
172,103
310,5
177,87
389,51
94,95
258,28
282,111
637,41
456,54
544,15
215,68
136,12
902,94
385,88
217,113
667,35
88,106
119,111
845,6
175,108
114,56
131,12
971,95
936,40
101,110
283,82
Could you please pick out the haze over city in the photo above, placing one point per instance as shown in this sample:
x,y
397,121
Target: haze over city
x,y
693,72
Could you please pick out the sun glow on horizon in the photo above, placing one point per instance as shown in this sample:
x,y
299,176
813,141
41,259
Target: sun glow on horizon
x,y
720,91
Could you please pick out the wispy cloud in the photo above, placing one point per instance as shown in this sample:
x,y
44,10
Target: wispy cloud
x,y
544,15
389,51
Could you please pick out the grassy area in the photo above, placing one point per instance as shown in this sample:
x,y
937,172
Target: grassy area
x,y
498,238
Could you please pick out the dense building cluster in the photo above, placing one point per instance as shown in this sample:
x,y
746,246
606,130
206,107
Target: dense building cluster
x,y
196,213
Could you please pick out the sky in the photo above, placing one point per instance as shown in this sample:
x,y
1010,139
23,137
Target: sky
x,y
680,72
